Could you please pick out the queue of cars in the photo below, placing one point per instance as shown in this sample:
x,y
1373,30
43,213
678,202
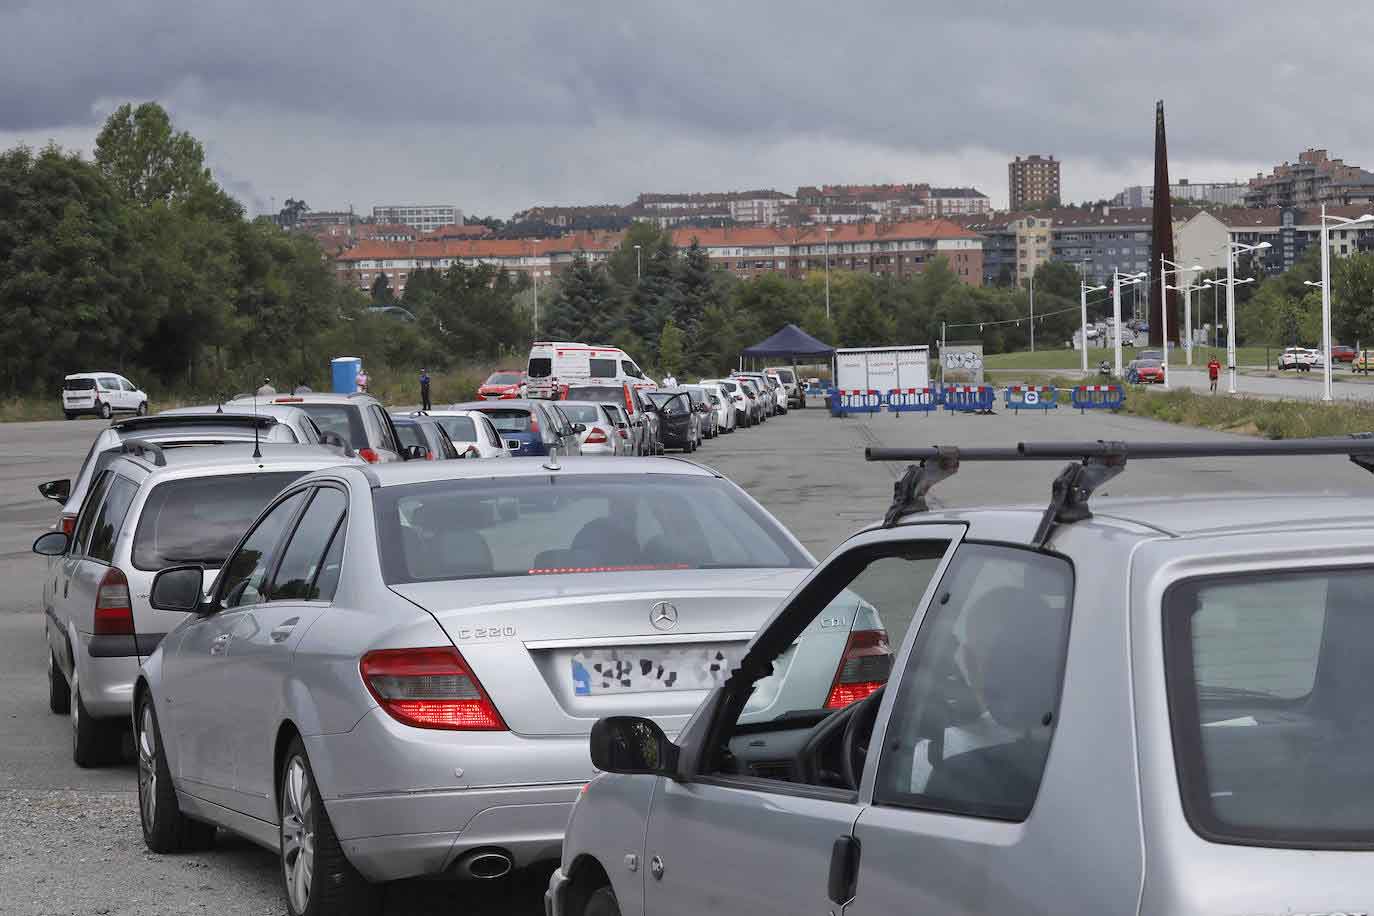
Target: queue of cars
x,y
324,634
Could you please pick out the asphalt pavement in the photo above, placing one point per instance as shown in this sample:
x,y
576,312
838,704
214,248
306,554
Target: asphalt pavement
x,y
71,841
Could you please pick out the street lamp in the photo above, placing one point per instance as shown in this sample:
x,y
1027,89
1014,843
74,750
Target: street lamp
x,y
1118,279
1230,284
1233,249
828,230
1083,290
1325,285
1164,304
639,266
1187,290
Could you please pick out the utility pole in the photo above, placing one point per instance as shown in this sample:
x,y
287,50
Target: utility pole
x,y
1032,308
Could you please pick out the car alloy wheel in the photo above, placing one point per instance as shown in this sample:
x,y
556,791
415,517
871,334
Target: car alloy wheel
x,y
298,833
146,742
142,408
105,411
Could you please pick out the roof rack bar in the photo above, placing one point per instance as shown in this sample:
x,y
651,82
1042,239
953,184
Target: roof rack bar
x,y
884,453
144,449
1362,444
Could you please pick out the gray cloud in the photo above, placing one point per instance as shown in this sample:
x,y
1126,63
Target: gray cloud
x,y
499,105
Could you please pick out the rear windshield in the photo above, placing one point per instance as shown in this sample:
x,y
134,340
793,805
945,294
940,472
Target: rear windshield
x,y
344,419
728,386
504,378
200,519
541,367
597,393
582,413
786,375
410,433
1270,679
79,384
462,529
459,429
510,420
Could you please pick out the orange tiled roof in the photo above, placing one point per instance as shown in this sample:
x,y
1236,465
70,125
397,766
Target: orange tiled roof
x,y
813,235
481,248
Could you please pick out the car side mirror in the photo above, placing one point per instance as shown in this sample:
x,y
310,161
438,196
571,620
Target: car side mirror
x,y
579,428
177,589
52,544
415,453
631,745
56,490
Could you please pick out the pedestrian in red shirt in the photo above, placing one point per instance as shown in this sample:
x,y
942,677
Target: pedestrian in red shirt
x,y
1213,371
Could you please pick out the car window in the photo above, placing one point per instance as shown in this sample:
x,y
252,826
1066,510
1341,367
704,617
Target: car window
x,y
303,558
78,384
630,369
109,383
601,368
581,413
493,438
327,581
1269,678
200,519
109,521
410,434
540,367
385,430
460,429
978,701
509,419
89,508
245,574
445,443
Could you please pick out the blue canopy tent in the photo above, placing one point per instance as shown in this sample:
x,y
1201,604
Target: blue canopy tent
x,y
790,344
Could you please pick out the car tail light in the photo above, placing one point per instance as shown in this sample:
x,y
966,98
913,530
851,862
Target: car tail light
x,y
866,664
368,455
623,433
597,436
563,392
534,424
429,688
68,524
114,614
629,402
288,400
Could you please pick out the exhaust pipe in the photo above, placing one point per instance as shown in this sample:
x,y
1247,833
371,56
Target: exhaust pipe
x,y
484,864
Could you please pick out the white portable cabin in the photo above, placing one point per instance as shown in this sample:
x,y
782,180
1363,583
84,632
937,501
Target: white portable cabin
x,y
882,369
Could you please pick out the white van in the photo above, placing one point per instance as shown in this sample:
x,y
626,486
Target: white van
x,y
554,364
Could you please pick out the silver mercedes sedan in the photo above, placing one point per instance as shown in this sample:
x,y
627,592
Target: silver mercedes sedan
x,y
397,669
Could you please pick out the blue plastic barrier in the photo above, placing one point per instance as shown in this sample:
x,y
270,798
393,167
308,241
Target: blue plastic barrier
x,y
1098,397
969,398
913,400
1031,397
857,400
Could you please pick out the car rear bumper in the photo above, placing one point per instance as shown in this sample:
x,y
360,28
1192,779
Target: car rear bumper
x,y
598,449
407,802
106,681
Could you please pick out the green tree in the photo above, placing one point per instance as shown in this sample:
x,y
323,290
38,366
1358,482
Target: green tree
x,y
1352,298
697,292
147,161
583,307
381,290
670,348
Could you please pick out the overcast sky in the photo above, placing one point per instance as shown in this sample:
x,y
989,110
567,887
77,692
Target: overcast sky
x,y
498,106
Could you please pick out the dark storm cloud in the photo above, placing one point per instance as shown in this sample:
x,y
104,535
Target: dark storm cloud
x,y
1243,83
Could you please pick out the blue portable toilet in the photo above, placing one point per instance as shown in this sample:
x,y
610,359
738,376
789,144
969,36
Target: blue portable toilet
x,y
344,374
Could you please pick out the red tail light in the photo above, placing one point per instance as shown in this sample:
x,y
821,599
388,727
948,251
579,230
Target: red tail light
x,y
429,688
114,614
623,433
597,436
534,424
68,524
866,664
563,392
629,402
369,455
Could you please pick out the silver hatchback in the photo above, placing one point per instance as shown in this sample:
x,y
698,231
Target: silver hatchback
x,y
399,665
1162,709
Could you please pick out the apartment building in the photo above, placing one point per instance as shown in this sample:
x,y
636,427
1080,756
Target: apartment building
x,y
424,217
944,202
1313,180
758,207
1034,235
1032,180
1217,193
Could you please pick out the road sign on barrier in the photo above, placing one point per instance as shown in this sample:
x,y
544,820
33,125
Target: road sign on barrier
x,y
969,398
855,400
1098,397
913,400
1031,397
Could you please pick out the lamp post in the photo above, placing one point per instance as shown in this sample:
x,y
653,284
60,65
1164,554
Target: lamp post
x,y
1325,284
1083,290
1187,291
1119,279
639,265
1230,283
828,230
1233,249
1164,303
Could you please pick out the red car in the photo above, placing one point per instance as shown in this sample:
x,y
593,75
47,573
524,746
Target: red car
x,y
1340,353
502,385
1149,374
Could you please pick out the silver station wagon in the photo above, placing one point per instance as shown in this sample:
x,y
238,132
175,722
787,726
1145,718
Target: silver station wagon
x,y
396,671
1161,708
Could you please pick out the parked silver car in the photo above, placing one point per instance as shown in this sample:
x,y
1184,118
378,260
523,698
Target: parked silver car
x,y
397,669
472,433
358,419
601,429
149,508
1162,709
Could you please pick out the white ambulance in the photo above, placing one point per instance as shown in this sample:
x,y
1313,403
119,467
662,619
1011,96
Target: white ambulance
x,y
553,364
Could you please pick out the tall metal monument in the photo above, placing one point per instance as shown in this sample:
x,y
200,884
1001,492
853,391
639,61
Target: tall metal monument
x,y
1163,236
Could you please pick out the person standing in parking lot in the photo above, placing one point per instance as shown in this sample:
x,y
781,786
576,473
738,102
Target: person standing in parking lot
x,y
1213,372
361,380
424,390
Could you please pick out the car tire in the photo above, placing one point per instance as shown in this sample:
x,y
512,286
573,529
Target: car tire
x,y
95,742
326,882
142,408
165,828
106,411
69,415
602,902
59,694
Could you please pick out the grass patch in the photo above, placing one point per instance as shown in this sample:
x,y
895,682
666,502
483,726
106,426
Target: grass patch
x,y
1071,359
1272,419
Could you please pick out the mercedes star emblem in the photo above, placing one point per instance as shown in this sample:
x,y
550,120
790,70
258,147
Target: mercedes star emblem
x,y
663,616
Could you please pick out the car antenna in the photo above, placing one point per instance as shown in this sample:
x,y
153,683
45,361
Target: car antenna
x,y
257,447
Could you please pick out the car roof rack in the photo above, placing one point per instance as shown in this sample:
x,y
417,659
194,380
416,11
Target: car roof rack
x,y
1091,465
148,451
160,421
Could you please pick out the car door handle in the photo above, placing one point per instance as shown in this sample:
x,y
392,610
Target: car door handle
x,y
219,644
844,870
283,632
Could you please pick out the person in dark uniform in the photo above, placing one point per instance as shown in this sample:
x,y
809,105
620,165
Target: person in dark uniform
x,y
424,390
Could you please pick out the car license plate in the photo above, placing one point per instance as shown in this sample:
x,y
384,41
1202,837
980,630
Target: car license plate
x,y
649,669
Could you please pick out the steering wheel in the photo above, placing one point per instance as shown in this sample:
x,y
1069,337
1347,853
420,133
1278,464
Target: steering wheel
x,y
859,728
845,724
